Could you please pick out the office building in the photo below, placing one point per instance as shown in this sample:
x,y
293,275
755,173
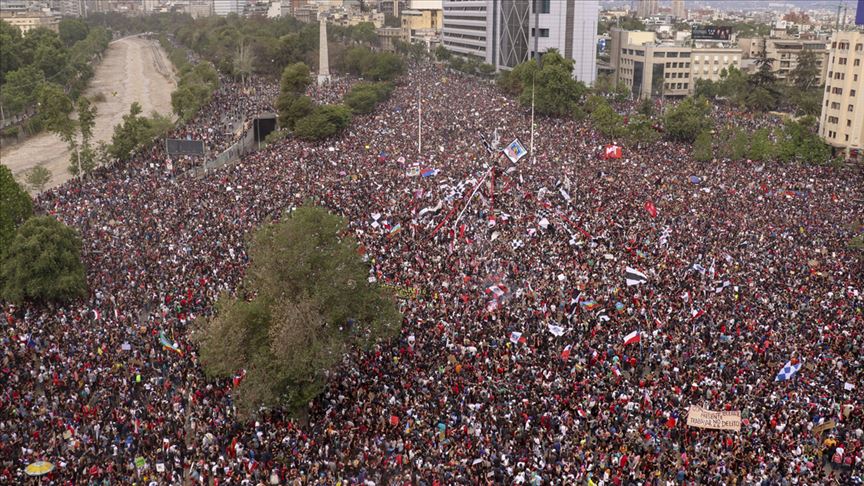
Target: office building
x,y
678,9
225,7
668,69
505,33
26,21
841,123
647,8
785,54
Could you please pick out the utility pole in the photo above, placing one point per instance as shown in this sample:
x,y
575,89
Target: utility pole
x,y
419,122
531,149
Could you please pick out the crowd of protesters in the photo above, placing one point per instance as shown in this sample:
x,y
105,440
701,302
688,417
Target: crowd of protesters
x,y
511,367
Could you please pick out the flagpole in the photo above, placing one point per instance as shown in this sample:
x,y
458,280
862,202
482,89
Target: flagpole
x,y
419,123
468,202
532,114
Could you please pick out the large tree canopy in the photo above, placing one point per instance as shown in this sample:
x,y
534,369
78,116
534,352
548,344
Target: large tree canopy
x,y
306,301
43,263
15,207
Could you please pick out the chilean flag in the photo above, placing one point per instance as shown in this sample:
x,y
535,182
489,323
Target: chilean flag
x,y
565,355
652,210
633,337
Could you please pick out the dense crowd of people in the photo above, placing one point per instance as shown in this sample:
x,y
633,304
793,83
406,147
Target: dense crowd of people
x,y
511,366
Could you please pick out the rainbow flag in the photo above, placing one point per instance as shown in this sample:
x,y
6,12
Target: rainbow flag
x,y
395,230
169,344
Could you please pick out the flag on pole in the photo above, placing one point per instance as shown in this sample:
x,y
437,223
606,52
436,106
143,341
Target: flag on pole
x,y
565,355
788,371
634,277
633,337
515,151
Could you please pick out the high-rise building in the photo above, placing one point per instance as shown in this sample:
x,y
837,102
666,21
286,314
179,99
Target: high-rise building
x,y
841,123
647,8
225,7
785,53
678,9
505,33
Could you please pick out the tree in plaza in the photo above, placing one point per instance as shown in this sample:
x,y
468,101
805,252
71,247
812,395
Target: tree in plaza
x,y
324,122
441,53
15,206
686,120
54,110
363,97
640,130
83,159
761,147
295,79
763,94
305,303
21,88
292,109
37,178
799,141
607,120
243,61
552,88
135,132
703,149
43,263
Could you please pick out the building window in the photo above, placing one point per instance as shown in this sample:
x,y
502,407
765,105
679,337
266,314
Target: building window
x,y
852,92
543,32
835,105
857,62
833,119
672,54
859,47
851,108
841,61
848,123
542,6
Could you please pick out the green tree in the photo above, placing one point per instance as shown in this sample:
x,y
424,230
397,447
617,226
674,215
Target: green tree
x,y
703,150
10,49
43,263
21,88
306,302
324,122
640,130
441,53
761,147
805,75
292,109
686,120
295,79
607,120
72,31
54,109
763,94
37,178
84,159
555,92
15,207
363,97
799,141
243,61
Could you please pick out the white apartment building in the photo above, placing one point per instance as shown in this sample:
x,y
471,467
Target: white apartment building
x,y
841,123
225,7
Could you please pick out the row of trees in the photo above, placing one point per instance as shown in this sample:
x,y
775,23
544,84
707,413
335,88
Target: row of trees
x,y
41,56
40,257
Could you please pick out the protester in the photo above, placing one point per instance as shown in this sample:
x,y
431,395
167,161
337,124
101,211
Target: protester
x,y
744,269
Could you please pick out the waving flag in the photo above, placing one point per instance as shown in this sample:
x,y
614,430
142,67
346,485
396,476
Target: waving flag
x,y
517,338
565,355
633,337
652,210
788,371
169,344
515,151
634,277
556,330
428,172
395,230
613,152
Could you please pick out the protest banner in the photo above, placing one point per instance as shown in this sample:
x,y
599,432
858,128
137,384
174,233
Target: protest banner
x,y
828,424
706,419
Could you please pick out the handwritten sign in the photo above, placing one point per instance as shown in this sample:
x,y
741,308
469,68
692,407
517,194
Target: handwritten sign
x,y
706,419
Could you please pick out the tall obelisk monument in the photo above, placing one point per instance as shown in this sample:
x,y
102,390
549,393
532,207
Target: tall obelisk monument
x,y
324,58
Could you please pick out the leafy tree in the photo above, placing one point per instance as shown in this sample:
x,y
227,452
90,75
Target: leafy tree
x,y
10,49
363,97
43,263
441,53
136,132
83,159
324,122
763,94
703,150
800,142
37,178
292,109
295,79
386,66
306,302
607,120
15,206
646,107
364,33
686,120
72,31
761,148
640,130
554,89
54,109
243,61
21,88
806,73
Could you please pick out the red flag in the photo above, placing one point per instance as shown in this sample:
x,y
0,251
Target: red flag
x,y
612,152
652,210
565,355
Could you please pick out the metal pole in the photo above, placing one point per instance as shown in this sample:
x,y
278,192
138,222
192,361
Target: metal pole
x,y
419,123
531,150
